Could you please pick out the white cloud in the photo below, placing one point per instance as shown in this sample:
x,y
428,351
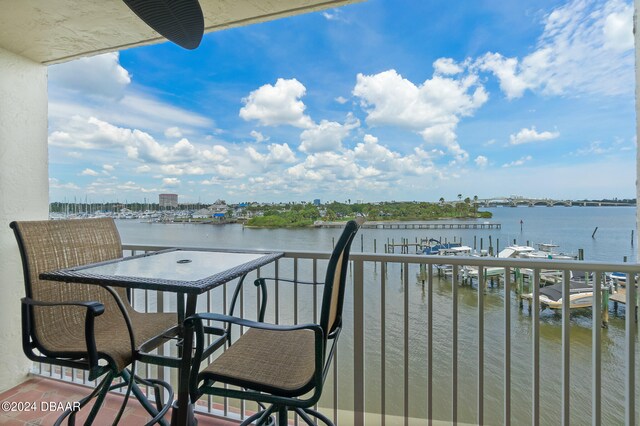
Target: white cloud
x,y
391,99
132,111
518,162
433,108
594,148
170,182
173,169
56,184
512,82
586,48
259,137
173,132
100,75
92,133
143,169
326,136
148,149
481,161
217,154
89,172
108,167
446,66
228,171
531,135
341,100
278,154
278,104
150,113
334,15
618,33
382,158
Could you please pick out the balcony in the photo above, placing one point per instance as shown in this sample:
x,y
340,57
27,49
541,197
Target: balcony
x,y
421,342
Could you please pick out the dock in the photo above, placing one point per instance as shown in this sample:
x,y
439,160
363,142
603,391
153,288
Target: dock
x,y
620,296
413,225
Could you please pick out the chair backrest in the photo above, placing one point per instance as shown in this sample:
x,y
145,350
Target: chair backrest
x,y
335,281
51,245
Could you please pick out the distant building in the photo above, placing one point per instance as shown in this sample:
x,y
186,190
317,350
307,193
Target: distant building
x,y
168,201
316,202
201,214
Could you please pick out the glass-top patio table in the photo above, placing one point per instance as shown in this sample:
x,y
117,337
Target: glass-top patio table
x,y
184,272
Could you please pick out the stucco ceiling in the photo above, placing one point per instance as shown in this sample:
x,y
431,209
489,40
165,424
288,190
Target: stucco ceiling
x,y
51,31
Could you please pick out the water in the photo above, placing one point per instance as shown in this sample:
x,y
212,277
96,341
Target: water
x,y
570,228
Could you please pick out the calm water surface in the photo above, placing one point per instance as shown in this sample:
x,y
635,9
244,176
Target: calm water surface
x,y
570,228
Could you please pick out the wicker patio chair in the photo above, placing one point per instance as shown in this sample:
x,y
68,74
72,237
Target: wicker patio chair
x,y
80,325
284,366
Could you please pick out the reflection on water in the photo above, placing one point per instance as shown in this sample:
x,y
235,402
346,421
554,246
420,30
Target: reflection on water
x,y
569,227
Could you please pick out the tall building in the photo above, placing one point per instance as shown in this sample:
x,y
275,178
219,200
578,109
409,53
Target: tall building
x,y
168,201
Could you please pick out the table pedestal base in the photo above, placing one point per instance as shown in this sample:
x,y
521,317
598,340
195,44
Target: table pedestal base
x,y
191,418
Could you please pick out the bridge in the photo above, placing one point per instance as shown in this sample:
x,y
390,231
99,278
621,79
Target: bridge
x,y
549,202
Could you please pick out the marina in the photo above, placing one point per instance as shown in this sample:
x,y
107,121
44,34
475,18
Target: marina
x,y
396,301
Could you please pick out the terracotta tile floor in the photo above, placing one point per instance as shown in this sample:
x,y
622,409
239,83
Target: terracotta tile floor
x,y
40,390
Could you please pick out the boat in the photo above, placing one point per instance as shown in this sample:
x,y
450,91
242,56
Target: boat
x,y
581,295
544,251
515,251
620,278
434,247
547,251
447,249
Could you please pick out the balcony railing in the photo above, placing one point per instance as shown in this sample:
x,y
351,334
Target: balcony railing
x,y
422,343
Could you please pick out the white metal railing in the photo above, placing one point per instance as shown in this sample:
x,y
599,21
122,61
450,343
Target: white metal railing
x,y
357,392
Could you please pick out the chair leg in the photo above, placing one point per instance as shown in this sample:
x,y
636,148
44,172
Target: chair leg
x,y
158,386
283,416
100,390
305,412
260,417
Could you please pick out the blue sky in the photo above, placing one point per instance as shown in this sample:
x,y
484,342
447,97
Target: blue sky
x,y
380,100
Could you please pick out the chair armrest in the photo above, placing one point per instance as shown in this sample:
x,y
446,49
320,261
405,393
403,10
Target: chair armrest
x,y
262,283
194,319
93,309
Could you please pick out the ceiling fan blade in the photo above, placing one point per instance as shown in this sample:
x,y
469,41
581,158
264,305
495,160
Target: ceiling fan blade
x,y
180,21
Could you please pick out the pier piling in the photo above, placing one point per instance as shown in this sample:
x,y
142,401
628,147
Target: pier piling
x,y
605,308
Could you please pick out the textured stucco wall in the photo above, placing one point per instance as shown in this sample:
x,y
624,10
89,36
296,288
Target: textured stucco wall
x,y
24,192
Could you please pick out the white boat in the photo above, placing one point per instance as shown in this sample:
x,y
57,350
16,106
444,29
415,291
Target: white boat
x,y
548,251
581,295
453,250
515,251
544,251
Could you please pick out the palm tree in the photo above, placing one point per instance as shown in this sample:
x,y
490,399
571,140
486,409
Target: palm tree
x,y
441,200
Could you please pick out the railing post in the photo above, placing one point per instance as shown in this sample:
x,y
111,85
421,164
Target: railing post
x,y
507,346
358,343
534,307
630,334
596,357
566,349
